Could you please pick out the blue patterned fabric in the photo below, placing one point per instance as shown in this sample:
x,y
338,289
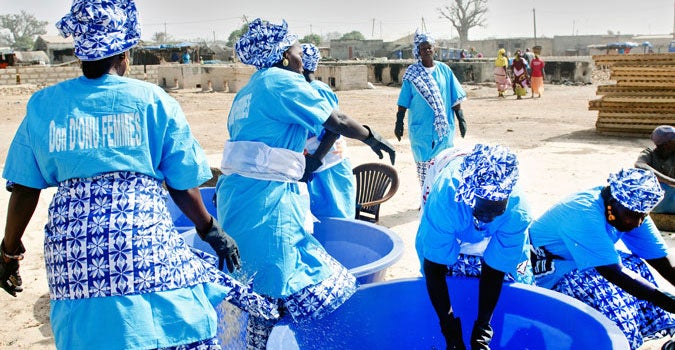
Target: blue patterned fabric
x,y
101,28
420,38
425,84
489,172
310,57
638,319
264,43
113,236
636,189
207,344
472,265
311,303
316,301
422,169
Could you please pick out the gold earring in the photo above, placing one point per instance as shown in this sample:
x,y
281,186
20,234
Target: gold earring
x,y
610,216
284,62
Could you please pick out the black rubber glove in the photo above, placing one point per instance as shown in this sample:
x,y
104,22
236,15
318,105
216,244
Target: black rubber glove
x,y
451,327
224,245
481,335
461,122
10,280
663,300
311,164
378,144
7,271
398,129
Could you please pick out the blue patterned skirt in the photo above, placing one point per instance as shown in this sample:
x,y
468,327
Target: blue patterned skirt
x,y
638,319
121,277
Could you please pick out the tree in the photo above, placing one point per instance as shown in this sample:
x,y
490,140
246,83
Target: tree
x,y
331,36
311,38
235,35
353,35
21,29
161,37
464,15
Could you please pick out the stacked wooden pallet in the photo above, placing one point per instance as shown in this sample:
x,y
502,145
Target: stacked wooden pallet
x,y
642,98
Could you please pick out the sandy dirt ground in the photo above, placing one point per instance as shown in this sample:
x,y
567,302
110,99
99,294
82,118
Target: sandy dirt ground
x,y
553,136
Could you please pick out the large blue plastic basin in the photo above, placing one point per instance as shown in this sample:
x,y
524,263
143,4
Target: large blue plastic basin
x,y
398,315
366,249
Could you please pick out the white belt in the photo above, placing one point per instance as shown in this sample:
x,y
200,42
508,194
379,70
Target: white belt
x,y
260,161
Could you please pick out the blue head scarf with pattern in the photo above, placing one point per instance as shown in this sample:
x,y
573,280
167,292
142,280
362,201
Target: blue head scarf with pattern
x,y
489,172
636,189
101,28
264,43
421,38
310,57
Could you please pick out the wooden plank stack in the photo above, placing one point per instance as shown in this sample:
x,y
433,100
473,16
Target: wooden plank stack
x,y
642,98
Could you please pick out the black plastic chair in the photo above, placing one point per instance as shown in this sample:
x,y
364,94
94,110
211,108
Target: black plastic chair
x,y
376,183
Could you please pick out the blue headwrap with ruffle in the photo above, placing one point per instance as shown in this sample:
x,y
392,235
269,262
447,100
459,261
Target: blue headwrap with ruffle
x,y
264,43
636,189
310,57
101,28
489,172
418,39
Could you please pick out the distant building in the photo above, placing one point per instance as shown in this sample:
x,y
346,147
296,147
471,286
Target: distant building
x,y
30,58
57,48
6,57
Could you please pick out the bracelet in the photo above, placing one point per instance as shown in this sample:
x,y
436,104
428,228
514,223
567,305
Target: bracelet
x,y
4,254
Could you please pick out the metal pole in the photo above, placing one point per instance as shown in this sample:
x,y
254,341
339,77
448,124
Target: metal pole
x,y
534,21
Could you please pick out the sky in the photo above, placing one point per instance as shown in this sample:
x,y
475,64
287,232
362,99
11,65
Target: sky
x,y
383,19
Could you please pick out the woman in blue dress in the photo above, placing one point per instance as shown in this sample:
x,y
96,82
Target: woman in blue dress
x,y
575,253
433,95
473,224
261,203
119,275
332,187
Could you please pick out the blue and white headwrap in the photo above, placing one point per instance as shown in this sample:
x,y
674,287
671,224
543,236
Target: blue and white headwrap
x,y
636,189
310,57
101,28
489,172
264,43
418,39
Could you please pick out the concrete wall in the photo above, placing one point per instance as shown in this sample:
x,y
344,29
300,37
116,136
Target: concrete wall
x,y
490,47
45,75
557,69
211,77
343,77
565,45
359,49
226,78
